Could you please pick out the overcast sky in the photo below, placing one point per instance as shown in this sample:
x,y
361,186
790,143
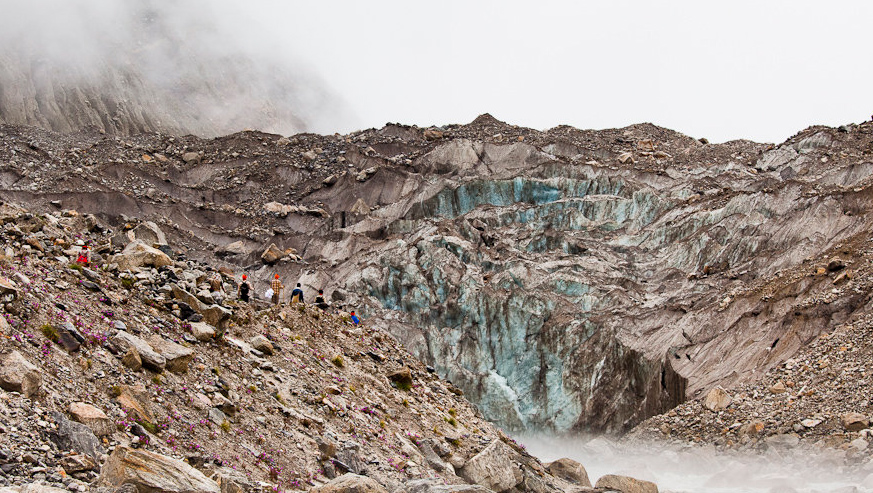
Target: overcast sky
x,y
761,70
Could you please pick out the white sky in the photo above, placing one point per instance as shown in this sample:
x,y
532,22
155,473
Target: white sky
x,y
761,70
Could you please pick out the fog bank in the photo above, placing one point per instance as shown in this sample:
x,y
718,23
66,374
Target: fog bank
x,y
191,66
702,469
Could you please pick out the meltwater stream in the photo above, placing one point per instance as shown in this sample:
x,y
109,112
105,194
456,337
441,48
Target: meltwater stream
x,y
705,470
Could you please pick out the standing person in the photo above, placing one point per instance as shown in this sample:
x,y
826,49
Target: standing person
x,y
243,291
355,319
216,287
319,300
277,287
297,294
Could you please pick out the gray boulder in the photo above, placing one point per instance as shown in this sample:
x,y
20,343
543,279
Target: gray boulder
x,y
138,254
626,484
150,233
569,470
493,468
70,435
202,331
178,357
151,359
214,315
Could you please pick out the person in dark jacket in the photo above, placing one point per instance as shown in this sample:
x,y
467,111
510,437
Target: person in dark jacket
x,y
297,294
243,291
319,300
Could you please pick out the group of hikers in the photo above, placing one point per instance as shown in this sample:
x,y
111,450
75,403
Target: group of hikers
x,y
275,294
244,289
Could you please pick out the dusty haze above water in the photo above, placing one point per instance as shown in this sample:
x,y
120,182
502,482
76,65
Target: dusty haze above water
x,y
704,470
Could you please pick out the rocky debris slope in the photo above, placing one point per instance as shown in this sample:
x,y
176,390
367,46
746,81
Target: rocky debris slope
x,y
818,399
141,380
565,279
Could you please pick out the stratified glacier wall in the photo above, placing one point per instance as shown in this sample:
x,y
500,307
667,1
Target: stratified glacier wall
x,y
564,293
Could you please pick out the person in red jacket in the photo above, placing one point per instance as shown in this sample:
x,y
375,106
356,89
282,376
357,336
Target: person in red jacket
x,y
84,257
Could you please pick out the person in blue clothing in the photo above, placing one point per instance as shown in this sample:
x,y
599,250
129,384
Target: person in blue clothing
x,y
355,319
297,294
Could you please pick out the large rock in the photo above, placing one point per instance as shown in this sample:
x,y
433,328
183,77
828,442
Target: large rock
x,y
149,233
231,481
278,208
235,248
262,344
135,400
70,435
214,315
178,357
192,157
350,483
202,331
7,286
184,296
402,377
439,486
855,421
151,472
717,399
19,375
569,470
272,254
138,254
93,418
493,468
151,359
626,484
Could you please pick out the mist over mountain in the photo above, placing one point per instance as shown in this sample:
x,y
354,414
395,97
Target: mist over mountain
x,y
193,67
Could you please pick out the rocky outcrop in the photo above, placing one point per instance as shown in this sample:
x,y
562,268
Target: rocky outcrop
x,y
148,471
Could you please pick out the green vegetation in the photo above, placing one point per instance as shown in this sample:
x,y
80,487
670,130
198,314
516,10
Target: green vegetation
x,y
338,361
50,332
149,427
